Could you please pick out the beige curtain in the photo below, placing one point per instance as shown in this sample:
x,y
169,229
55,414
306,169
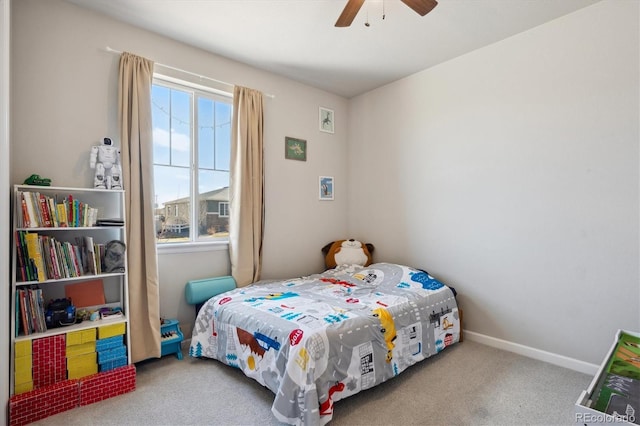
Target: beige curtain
x,y
135,79
246,197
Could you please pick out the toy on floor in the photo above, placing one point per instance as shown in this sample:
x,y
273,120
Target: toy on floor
x,y
37,180
171,337
106,160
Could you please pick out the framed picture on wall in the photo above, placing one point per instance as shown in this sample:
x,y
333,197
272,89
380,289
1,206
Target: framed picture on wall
x,y
295,149
326,120
326,187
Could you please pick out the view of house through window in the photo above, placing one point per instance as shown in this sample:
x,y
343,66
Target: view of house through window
x,y
191,154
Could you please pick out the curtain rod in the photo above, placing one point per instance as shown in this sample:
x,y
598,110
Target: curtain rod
x,y
110,50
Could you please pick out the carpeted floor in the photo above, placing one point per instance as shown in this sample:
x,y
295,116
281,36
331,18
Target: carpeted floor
x,y
467,384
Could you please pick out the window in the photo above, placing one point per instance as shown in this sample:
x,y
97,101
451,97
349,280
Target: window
x,y
223,209
191,155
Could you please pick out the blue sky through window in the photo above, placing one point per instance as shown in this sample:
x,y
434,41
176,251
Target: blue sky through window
x,y
173,132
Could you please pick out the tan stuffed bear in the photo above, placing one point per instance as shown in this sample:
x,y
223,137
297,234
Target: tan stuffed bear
x,y
347,252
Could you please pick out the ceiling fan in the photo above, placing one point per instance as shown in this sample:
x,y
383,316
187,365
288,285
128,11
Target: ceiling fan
x,y
421,7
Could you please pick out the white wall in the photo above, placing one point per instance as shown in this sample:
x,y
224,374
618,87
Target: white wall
x,y
514,177
65,101
176,268
5,234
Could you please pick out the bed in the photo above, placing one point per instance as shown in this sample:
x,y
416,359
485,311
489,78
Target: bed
x,y
318,339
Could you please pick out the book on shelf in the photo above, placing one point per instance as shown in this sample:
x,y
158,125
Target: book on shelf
x,y
17,314
54,270
42,211
76,212
48,264
53,211
43,257
23,215
89,259
33,206
62,260
27,266
99,249
111,314
69,203
21,268
68,260
31,211
114,221
34,251
61,210
77,259
25,325
31,316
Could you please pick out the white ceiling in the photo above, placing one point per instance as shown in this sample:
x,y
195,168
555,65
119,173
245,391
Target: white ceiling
x,y
297,38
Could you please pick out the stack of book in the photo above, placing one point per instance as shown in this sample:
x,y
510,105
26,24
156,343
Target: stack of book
x,y
110,222
42,257
41,211
30,311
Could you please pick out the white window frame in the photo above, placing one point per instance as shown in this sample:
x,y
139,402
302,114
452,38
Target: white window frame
x,y
226,209
192,245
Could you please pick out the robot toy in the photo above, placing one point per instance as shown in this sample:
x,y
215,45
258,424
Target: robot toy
x,y
106,160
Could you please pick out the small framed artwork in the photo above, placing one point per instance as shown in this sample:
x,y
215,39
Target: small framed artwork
x,y
326,120
295,149
326,188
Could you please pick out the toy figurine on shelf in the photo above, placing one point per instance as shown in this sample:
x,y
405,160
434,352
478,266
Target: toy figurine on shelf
x,y
37,180
106,160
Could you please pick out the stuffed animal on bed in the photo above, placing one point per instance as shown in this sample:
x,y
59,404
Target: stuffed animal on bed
x,y
347,252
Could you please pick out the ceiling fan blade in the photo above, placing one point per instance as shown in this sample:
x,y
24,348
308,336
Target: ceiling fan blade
x,y
422,7
349,13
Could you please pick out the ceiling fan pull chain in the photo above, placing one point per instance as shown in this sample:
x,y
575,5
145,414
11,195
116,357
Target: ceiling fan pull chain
x,y
366,23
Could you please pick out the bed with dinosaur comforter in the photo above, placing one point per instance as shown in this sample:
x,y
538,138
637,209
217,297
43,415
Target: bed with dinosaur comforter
x,y
318,339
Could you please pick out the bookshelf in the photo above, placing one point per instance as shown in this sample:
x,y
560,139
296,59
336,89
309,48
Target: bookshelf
x,y
59,238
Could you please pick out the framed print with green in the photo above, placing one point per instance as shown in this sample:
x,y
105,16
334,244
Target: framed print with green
x,y
326,120
295,149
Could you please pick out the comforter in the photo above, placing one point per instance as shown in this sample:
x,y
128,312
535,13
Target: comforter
x,y
318,339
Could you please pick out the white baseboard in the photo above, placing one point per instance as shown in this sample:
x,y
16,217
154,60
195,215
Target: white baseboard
x,y
186,343
551,358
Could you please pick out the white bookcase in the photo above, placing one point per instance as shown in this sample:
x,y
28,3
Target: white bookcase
x,y
109,204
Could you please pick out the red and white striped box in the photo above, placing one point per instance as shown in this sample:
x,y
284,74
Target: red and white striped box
x,y
108,384
40,403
